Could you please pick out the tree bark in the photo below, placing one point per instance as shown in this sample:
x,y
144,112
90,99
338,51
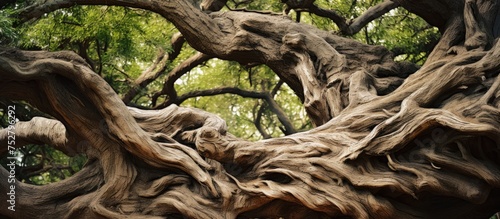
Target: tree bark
x,y
390,142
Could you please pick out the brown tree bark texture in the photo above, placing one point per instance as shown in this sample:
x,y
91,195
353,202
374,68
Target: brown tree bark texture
x,y
390,142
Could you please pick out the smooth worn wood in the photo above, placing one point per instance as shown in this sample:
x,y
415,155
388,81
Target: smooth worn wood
x,y
392,140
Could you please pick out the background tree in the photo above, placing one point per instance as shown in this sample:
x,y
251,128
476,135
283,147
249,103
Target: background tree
x,y
389,142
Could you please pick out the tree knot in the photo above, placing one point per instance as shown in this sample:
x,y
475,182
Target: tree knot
x,y
296,41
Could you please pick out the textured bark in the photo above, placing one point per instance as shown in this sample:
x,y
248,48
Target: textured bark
x,y
390,142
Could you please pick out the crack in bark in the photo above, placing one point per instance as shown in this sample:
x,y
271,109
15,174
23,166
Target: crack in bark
x,y
433,139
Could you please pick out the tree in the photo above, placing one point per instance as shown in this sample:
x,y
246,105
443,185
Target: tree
x,y
390,141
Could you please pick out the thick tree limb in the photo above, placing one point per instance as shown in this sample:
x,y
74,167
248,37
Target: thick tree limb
x,y
388,149
38,131
239,36
436,147
44,201
391,157
436,13
96,105
464,24
479,15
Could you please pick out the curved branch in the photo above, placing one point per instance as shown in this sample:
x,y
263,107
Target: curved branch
x,y
433,139
38,131
222,90
212,5
196,26
289,128
258,39
86,182
437,13
176,73
258,121
156,69
354,26
399,157
93,97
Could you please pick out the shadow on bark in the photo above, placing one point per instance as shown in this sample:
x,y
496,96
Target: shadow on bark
x,y
427,147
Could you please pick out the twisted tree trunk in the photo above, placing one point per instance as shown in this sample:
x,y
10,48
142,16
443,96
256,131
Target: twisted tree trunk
x,y
390,143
